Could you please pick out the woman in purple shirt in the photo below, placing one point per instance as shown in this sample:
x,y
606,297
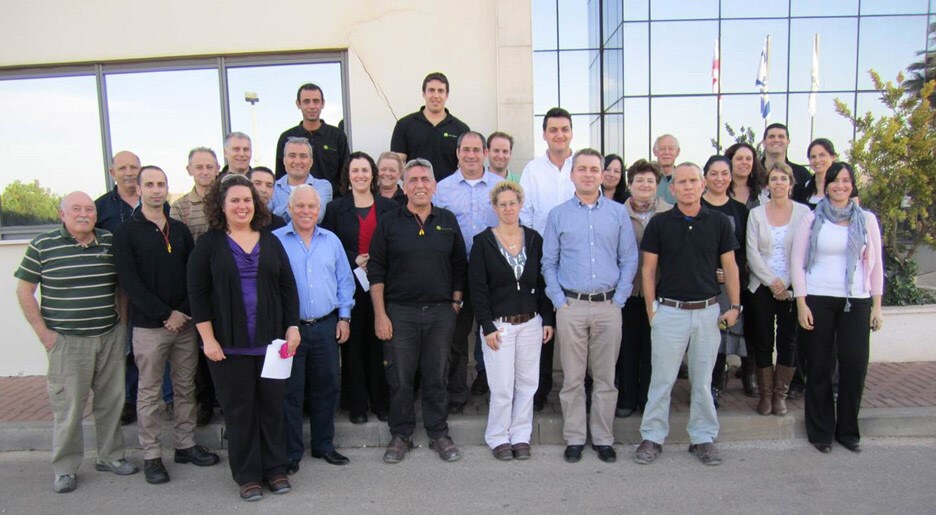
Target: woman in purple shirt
x,y
243,296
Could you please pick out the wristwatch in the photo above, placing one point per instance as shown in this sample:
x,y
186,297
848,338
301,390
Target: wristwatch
x,y
739,307
344,319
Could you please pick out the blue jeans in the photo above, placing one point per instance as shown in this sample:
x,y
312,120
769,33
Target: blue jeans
x,y
671,330
314,375
479,350
132,377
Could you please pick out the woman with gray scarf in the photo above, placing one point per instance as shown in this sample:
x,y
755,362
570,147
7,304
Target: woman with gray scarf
x,y
838,276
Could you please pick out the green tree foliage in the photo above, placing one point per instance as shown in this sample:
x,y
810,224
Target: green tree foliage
x,y
923,70
895,157
742,135
28,204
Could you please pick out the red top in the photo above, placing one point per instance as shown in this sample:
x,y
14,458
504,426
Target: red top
x,y
366,230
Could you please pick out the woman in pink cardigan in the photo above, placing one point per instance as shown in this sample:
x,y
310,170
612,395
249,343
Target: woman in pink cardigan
x,y
838,278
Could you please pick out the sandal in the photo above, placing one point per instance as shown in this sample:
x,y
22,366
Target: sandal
x,y
251,492
279,484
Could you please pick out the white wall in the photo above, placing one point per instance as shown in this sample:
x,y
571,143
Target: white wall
x,y
484,48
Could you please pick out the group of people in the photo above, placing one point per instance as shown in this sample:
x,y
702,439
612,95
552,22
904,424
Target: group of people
x,y
385,267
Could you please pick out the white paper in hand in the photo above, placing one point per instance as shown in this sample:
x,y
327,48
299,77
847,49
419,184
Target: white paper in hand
x,y
275,367
361,275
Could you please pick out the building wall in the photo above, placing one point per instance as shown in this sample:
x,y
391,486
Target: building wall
x,y
483,47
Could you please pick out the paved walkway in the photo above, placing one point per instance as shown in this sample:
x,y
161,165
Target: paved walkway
x,y
889,385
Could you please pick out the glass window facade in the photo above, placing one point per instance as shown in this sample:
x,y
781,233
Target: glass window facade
x,y
650,67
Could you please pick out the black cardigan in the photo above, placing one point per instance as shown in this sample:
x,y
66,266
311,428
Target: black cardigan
x,y
341,219
215,293
495,291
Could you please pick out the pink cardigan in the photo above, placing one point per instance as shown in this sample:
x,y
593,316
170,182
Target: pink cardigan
x,y
870,256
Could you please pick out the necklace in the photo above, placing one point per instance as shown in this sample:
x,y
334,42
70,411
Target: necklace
x,y
506,242
165,236
422,227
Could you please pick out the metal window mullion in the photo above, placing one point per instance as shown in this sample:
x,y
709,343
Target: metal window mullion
x,y
225,98
104,121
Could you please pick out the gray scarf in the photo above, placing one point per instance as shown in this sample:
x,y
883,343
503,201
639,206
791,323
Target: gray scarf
x,y
857,236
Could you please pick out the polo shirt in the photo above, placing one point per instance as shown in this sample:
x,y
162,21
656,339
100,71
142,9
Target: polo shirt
x,y
415,136
418,269
330,152
111,211
190,209
78,282
663,191
689,250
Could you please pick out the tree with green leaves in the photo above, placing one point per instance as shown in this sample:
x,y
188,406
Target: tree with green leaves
x,y
28,203
924,70
895,157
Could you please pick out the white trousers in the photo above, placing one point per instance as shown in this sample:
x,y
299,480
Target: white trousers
x,y
513,377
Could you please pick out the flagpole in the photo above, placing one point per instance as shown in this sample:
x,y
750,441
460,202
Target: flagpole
x,y
767,71
716,88
813,87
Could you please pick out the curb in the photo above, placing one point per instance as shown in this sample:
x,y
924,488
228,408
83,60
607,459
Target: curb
x,y
547,429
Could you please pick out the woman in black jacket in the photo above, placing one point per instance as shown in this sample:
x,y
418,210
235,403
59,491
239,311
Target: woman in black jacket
x,y
243,296
353,219
510,304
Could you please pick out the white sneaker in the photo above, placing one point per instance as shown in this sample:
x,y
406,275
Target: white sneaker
x,y
65,483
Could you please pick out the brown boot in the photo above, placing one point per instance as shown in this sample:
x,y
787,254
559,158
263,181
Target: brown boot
x,y
780,388
765,386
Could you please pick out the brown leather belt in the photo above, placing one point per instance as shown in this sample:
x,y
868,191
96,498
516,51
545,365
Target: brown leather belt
x,y
590,297
517,319
696,304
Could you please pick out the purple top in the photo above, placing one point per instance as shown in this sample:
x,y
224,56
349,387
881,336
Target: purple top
x,y
247,265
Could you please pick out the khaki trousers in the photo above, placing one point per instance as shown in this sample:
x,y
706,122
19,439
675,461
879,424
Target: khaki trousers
x,y
152,348
77,366
589,336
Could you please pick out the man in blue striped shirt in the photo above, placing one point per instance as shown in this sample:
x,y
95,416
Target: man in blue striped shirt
x,y
326,296
467,194
589,262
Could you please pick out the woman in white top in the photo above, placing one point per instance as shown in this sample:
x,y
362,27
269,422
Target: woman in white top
x,y
838,278
769,242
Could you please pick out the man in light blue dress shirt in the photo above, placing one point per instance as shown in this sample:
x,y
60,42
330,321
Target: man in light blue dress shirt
x,y
467,194
589,262
297,157
326,296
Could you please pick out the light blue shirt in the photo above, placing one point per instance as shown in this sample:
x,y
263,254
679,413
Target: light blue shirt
x,y
471,204
323,275
589,250
282,189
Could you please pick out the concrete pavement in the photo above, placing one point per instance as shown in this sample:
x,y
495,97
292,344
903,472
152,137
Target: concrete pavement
x,y
892,475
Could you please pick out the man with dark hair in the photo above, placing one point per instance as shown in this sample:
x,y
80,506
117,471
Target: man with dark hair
x,y
418,271
589,262
430,133
329,144
776,142
686,244
298,161
466,194
264,180
151,267
237,154
500,147
78,326
547,182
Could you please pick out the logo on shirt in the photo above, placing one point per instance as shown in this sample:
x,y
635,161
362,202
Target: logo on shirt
x,y
449,135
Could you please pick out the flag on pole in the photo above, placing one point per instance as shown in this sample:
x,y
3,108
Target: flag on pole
x,y
716,70
761,82
814,76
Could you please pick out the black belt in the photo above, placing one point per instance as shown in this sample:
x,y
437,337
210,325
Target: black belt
x,y
313,321
695,304
590,297
516,319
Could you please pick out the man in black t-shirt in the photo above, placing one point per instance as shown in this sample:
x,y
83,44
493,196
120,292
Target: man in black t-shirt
x,y
430,133
687,244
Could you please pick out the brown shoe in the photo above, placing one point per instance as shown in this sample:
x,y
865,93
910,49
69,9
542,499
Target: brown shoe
x,y
521,451
706,452
780,388
502,452
765,390
446,448
279,484
647,451
397,449
251,492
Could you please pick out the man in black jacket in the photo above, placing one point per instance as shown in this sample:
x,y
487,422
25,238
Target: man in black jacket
x,y
152,250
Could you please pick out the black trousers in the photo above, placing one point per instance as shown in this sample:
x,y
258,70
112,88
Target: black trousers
x,y
458,390
633,364
363,382
765,311
253,418
845,336
422,337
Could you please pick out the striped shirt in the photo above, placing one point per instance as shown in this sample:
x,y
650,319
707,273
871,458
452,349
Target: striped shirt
x,y
78,282
190,208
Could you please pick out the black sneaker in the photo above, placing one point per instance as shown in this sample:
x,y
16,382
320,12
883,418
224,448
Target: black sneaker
x,y
155,471
196,455
480,384
128,414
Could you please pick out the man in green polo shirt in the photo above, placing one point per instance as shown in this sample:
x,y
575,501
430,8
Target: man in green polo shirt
x,y
77,324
